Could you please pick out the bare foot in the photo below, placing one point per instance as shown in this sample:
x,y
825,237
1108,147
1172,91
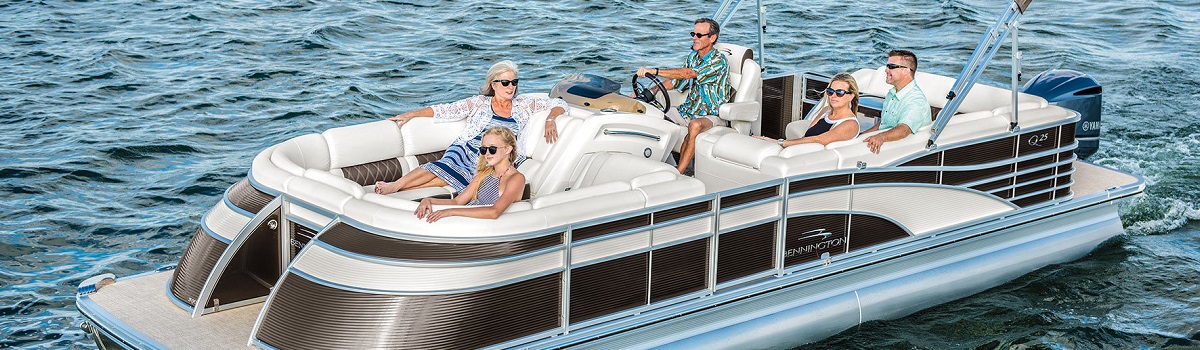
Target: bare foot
x,y
386,187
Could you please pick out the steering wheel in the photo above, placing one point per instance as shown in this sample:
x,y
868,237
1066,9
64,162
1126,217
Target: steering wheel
x,y
649,95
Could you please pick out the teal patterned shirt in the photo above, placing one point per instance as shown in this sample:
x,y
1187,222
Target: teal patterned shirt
x,y
709,89
907,106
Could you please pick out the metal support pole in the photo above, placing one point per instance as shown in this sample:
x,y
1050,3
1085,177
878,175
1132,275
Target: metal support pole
x,y
762,28
1013,123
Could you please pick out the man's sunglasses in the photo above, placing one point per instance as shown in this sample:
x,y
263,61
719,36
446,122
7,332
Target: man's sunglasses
x,y
838,92
894,66
488,149
506,82
698,35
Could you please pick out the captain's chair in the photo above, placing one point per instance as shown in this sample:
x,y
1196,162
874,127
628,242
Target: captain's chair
x,y
744,109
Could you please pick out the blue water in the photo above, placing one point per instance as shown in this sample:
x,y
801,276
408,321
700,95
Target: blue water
x,y
123,121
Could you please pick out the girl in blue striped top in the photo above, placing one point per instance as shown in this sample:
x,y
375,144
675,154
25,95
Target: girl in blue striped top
x,y
496,185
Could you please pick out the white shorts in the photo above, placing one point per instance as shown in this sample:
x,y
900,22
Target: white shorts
x,y
674,116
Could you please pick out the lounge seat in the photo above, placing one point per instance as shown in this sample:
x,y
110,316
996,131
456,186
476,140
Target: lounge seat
x,y
730,160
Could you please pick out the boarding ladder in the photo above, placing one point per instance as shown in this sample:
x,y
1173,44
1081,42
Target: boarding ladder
x,y
983,54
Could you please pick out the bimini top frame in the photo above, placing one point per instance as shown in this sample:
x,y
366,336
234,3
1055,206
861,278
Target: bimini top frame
x,y
1007,22
725,11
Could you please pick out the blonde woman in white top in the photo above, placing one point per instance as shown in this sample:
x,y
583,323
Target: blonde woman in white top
x,y
836,122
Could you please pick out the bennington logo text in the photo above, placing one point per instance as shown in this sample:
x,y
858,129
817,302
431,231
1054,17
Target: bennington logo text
x,y
819,246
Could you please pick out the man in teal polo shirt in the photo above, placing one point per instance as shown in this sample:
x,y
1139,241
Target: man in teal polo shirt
x,y
706,75
906,109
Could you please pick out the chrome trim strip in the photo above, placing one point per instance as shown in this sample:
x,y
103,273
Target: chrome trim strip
x,y
258,185
1017,173
611,257
236,209
1013,187
1048,190
781,232
564,319
747,225
946,187
171,296
684,219
209,231
311,207
308,224
452,240
517,342
612,235
747,278
608,131
713,244
234,305
754,186
676,242
292,270
433,264
754,203
858,212
259,344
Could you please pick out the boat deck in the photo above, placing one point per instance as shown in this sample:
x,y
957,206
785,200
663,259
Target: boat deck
x,y
142,304
1090,178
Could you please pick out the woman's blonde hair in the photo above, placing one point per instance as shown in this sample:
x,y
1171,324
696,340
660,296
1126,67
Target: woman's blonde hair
x,y
495,71
509,139
848,79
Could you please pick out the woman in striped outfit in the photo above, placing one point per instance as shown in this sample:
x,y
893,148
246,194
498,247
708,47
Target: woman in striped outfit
x,y
496,105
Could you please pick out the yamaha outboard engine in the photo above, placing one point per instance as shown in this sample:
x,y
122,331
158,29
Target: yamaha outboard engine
x,y
1075,91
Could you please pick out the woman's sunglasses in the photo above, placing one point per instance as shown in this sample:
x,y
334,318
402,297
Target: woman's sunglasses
x,y
838,92
488,149
506,82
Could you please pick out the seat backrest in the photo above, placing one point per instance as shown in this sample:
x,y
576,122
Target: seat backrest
x,y
745,77
744,73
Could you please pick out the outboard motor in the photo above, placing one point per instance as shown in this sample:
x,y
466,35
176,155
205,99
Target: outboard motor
x,y
1076,91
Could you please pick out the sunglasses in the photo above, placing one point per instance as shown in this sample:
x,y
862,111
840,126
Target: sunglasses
x,y
838,92
489,149
698,35
894,66
506,82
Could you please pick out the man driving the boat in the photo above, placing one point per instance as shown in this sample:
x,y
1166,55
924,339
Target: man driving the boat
x,y
905,110
706,75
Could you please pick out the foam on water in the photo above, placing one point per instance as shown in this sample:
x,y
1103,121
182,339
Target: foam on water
x,y
123,121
